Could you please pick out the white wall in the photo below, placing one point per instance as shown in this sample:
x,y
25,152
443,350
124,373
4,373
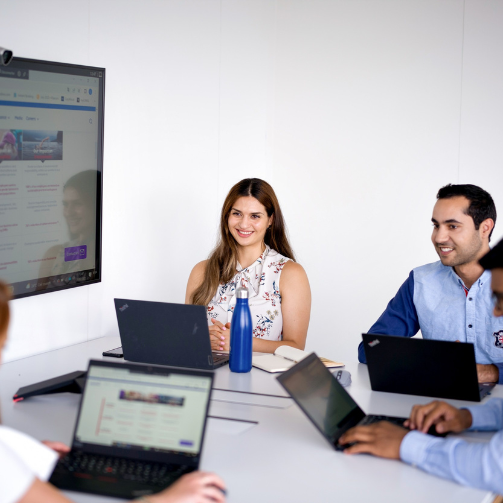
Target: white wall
x,y
356,112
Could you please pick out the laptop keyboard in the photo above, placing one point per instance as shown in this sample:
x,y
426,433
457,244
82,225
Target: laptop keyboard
x,y
485,388
219,357
144,472
398,421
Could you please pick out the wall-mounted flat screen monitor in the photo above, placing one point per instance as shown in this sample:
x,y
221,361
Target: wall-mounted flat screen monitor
x,y
51,165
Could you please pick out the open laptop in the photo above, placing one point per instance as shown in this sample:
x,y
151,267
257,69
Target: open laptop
x,y
325,402
139,428
166,334
425,367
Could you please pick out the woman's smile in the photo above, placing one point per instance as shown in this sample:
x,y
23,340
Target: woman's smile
x,y
244,234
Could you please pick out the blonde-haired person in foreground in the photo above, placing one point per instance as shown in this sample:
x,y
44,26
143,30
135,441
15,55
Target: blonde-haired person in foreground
x,y
253,252
23,482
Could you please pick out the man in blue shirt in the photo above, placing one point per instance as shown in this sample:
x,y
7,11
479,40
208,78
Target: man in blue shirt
x,y
450,299
471,463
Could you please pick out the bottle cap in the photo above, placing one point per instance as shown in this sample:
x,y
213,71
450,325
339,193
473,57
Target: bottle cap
x,y
241,293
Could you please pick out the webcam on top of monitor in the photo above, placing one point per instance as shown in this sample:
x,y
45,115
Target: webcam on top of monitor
x,y
5,56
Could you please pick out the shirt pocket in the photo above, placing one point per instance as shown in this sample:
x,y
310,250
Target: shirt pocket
x,y
493,339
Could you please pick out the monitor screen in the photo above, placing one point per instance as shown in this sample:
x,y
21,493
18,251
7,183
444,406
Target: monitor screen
x,y
51,163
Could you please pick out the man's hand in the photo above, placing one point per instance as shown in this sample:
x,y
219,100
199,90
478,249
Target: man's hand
x,y
444,416
487,373
381,439
58,447
220,336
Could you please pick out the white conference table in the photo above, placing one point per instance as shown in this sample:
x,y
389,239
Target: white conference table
x,y
273,454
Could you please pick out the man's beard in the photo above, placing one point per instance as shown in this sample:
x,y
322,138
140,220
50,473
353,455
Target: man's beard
x,y
469,254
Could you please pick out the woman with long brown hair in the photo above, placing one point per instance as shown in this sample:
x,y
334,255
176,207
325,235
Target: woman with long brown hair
x,y
253,252
25,464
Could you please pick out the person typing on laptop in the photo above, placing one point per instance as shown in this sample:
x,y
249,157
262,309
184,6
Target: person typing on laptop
x,y
474,464
253,252
26,464
450,299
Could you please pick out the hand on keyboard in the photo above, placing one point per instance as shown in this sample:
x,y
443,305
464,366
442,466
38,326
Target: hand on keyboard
x,y
380,439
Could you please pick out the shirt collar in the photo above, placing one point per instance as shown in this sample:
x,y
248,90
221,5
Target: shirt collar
x,y
264,254
485,276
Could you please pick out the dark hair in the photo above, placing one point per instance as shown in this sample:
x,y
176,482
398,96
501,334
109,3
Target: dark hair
x,y
481,203
493,259
221,265
86,183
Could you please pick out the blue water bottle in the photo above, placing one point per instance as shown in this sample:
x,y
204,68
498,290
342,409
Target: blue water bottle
x,y
240,359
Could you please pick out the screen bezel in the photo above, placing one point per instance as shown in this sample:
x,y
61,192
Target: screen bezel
x,y
351,419
147,455
78,70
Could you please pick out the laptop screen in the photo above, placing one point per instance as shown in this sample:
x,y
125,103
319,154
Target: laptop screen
x,y
321,397
132,409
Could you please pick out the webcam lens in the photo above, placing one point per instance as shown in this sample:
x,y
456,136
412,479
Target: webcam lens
x,y
6,57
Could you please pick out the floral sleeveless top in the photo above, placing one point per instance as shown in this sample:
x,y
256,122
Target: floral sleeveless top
x,y
264,298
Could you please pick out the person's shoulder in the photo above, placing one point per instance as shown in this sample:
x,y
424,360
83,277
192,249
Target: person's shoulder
x,y
293,271
293,267
196,279
273,257
434,268
199,269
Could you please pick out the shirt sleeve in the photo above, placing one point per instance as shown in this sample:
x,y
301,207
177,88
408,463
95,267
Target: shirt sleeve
x,y
399,318
35,456
472,464
487,417
16,477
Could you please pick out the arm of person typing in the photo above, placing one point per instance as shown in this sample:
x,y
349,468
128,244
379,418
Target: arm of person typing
x,y
473,464
399,318
487,417
490,372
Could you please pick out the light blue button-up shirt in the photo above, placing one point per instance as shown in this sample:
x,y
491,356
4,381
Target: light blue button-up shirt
x,y
434,299
473,464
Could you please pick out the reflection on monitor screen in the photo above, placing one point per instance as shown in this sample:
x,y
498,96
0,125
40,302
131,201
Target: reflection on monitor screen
x,y
51,161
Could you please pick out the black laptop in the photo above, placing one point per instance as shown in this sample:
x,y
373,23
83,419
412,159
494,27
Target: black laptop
x,y
139,429
325,402
166,334
426,367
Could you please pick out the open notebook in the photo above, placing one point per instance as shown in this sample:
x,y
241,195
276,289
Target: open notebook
x,y
285,357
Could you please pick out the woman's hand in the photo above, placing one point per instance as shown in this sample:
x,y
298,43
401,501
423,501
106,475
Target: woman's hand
x,y
220,336
58,447
196,487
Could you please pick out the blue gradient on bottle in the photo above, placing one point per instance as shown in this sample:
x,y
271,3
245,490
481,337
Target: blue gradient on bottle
x,y
240,359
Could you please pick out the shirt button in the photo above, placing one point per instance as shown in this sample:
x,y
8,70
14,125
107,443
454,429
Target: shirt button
x,y
470,326
469,298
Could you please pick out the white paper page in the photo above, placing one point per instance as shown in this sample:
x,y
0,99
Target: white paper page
x,y
291,353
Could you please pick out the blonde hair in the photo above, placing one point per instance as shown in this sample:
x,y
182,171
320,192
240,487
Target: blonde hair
x,y
4,315
4,309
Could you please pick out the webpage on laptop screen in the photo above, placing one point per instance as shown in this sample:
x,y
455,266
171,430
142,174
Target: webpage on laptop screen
x,y
133,410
